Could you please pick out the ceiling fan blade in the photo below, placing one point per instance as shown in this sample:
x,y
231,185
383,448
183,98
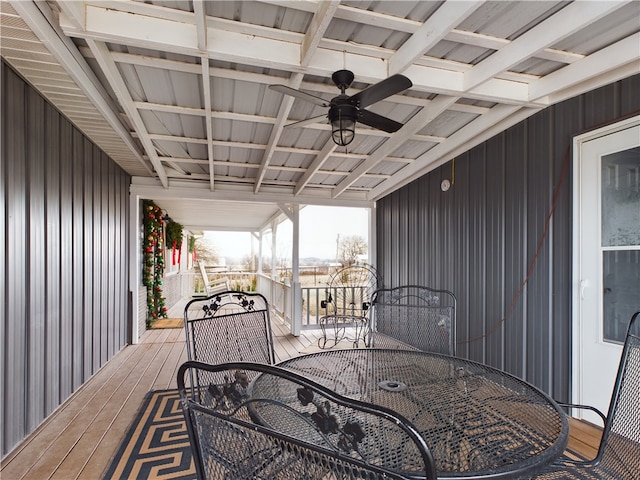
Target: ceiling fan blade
x,y
304,123
301,95
381,90
378,121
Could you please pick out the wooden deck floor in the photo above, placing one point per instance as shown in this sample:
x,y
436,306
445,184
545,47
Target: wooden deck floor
x,y
80,438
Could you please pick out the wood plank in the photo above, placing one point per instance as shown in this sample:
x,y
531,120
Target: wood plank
x,y
584,438
71,442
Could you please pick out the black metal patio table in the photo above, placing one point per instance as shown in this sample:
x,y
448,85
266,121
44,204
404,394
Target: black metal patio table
x,y
478,421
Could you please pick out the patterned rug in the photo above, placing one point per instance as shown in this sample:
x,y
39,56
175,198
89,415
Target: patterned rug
x,y
156,445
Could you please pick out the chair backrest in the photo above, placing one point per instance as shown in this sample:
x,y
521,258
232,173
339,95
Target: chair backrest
x,y
349,290
229,326
620,445
414,316
213,287
297,429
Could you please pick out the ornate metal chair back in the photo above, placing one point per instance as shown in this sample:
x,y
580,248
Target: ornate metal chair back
x,y
620,444
299,430
347,303
618,455
414,316
229,326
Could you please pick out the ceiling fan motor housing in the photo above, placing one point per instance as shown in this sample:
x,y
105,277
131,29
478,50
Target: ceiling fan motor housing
x,y
343,79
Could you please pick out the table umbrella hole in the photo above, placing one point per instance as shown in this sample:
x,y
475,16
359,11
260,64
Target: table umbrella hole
x,y
392,385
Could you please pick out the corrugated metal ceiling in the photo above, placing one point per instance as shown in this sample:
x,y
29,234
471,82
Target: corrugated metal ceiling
x,y
129,74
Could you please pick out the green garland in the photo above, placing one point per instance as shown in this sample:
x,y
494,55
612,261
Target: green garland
x,y
153,267
174,234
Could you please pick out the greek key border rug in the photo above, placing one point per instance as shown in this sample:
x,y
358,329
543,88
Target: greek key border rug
x,y
156,446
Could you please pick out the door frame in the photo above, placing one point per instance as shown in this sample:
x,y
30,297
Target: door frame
x,y
576,311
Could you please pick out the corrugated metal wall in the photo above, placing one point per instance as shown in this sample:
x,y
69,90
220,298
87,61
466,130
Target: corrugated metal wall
x,y
64,211
479,238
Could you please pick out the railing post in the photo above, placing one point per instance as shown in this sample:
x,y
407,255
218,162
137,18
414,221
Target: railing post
x,y
296,314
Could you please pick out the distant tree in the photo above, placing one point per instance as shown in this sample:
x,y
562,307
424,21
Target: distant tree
x,y
350,247
206,251
250,263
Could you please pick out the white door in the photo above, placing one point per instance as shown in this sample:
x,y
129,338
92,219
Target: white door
x,y
606,256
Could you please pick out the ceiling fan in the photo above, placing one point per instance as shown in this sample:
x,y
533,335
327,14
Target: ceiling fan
x,y
345,110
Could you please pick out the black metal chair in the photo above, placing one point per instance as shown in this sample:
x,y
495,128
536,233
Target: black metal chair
x,y
347,302
303,430
618,455
413,316
229,326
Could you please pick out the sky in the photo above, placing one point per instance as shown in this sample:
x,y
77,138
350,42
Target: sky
x,y
319,229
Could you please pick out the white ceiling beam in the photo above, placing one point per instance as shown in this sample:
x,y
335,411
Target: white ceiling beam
x,y
567,21
227,163
258,146
148,188
430,33
157,33
417,122
626,51
281,168
212,228
109,68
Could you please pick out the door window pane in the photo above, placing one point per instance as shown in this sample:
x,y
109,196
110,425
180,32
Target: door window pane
x,y
621,282
620,228
621,198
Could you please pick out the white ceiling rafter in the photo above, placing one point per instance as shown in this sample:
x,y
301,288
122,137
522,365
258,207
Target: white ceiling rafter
x,y
109,68
283,114
622,53
430,33
185,86
310,42
201,31
567,21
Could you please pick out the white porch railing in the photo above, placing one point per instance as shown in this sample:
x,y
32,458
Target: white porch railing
x,y
280,296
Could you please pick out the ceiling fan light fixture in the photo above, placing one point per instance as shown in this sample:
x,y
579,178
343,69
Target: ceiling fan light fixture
x,y
343,123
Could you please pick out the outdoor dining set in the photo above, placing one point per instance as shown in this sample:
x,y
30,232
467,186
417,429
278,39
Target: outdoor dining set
x,y
393,401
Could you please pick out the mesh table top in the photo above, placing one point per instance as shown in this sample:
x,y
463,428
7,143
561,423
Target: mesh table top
x,y
478,421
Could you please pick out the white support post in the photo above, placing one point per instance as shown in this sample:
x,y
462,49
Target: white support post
x,y
135,262
274,262
372,236
274,243
296,288
260,238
